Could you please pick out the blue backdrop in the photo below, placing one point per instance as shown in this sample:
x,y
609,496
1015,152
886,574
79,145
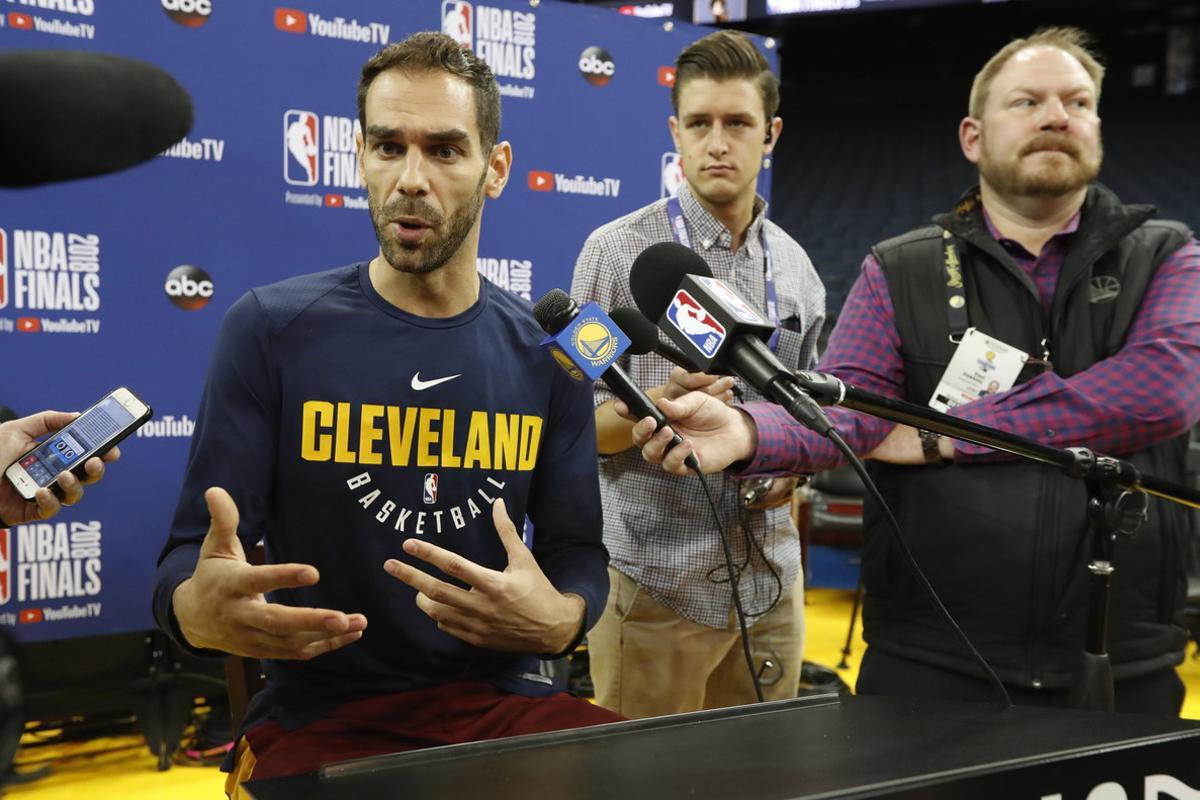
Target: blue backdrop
x,y
123,280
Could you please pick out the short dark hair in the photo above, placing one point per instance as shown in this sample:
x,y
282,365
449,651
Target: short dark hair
x,y
724,55
430,51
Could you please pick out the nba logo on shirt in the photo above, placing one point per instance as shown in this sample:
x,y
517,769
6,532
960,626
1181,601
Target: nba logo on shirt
x,y
3,268
700,327
456,21
5,567
300,148
429,493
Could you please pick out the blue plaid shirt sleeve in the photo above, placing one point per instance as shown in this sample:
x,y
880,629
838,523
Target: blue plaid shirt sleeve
x,y
864,351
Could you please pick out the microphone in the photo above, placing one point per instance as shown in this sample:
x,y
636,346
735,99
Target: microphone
x,y
556,312
74,114
643,336
717,329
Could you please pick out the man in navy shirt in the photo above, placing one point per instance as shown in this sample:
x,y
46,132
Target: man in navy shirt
x,y
361,421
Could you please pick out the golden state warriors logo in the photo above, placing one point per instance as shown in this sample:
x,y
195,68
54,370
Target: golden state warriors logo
x,y
594,341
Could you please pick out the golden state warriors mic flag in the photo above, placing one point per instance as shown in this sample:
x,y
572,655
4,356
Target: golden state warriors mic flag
x,y
588,345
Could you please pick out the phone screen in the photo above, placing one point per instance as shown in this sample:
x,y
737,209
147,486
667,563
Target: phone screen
x,y
64,449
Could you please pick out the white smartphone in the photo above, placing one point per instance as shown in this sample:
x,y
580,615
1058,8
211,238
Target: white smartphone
x,y
92,433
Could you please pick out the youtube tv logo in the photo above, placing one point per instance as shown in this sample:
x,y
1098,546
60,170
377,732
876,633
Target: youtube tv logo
x,y
290,20
666,76
20,21
29,615
541,181
334,201
29,325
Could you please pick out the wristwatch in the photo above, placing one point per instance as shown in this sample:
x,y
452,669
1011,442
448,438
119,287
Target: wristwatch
x,y
929,446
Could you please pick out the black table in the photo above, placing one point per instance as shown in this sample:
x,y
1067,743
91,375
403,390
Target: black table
x,y
814,747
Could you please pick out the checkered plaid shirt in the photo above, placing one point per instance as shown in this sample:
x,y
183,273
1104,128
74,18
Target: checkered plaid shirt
x,y
658,528
1145,393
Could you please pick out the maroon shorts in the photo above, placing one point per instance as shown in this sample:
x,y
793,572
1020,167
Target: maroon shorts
x,y
449,714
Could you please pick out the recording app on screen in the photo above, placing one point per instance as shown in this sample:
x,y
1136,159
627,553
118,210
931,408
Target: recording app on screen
x,y
61,451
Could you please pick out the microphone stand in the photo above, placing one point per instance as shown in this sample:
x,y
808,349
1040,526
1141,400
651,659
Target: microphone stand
x,y
1116,504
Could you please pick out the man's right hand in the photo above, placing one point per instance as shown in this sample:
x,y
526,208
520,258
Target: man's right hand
x,y
719,434
223,607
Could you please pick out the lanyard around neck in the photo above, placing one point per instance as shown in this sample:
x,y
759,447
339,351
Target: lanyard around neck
x,y
679,229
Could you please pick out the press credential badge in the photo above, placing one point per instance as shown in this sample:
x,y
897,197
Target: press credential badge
x,y
981,366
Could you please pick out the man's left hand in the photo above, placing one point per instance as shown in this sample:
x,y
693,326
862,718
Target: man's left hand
x,y
517,610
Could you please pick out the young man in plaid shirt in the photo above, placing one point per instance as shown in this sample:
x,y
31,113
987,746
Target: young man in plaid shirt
x,y
668,640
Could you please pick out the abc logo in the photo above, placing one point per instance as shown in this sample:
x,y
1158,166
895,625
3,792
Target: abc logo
x,y
596,66
189,13
188,287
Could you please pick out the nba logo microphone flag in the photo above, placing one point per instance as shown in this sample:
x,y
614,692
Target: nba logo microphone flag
x,y
703,319
589,345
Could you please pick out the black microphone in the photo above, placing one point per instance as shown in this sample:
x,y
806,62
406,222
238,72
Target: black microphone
x,y
554,312
74,114
715,327
644,337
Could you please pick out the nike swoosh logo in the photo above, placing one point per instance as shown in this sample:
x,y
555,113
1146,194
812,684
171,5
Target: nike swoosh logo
x,y
419,385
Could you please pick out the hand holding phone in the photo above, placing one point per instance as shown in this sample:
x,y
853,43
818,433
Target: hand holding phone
x,y
16,437
52,474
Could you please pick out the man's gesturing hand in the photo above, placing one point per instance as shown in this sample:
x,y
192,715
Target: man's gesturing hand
x,y
222,606
517,610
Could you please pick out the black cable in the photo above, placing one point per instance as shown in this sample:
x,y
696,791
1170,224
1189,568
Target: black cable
x,y
744,518
733,584
754,546
894,527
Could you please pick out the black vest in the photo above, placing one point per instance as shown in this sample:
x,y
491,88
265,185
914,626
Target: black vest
x,y
1006,545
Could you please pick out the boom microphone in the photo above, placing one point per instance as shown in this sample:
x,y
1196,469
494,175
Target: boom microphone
x,y
554,312
717,329
644,337
73,114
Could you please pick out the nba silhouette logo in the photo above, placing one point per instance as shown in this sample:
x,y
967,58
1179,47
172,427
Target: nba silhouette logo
x,y
300,141
5,567
700,327
672,175
429,493
456,21
3,268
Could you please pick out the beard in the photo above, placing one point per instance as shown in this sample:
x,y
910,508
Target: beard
x,y
1052,179
434,251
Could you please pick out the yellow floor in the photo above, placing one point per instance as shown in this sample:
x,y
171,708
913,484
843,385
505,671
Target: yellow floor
x,y
112,769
